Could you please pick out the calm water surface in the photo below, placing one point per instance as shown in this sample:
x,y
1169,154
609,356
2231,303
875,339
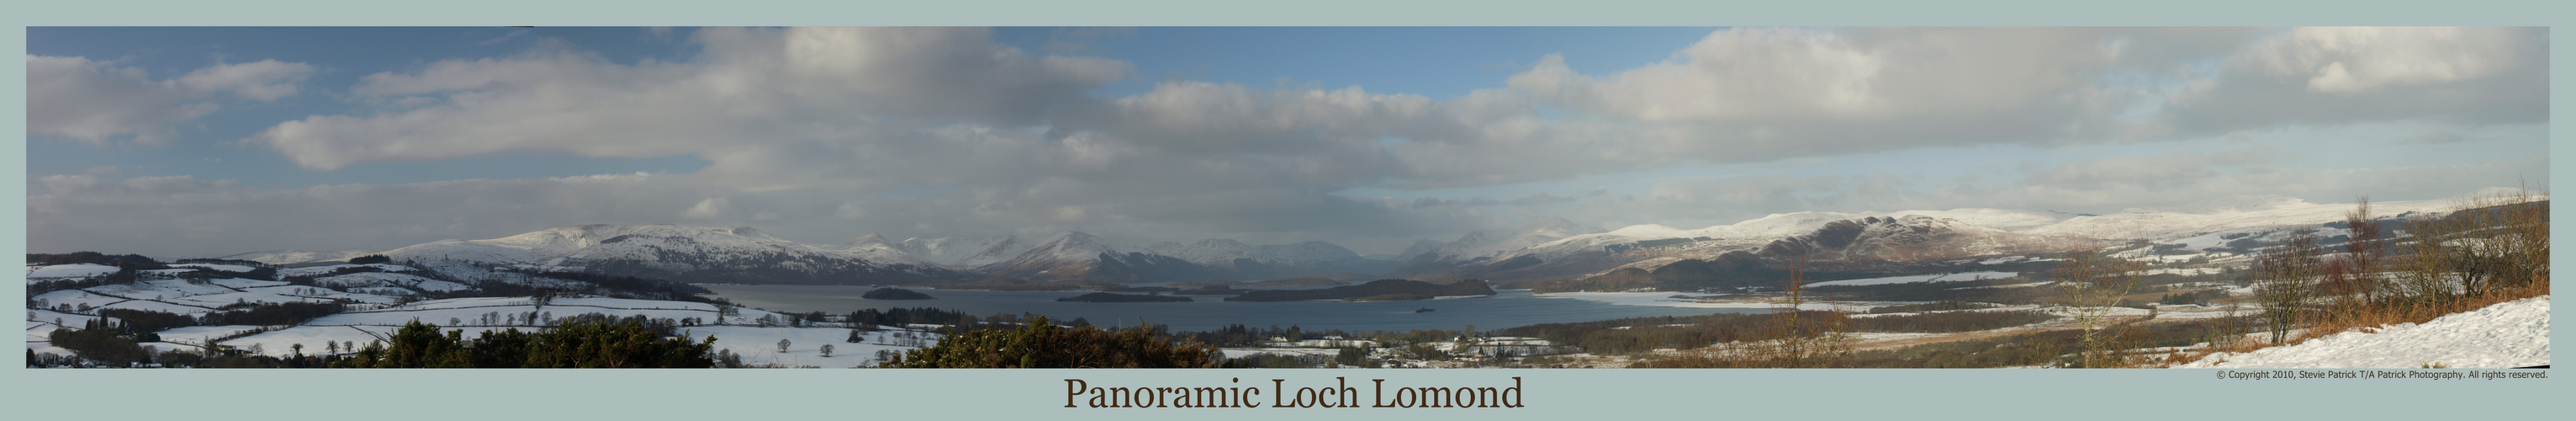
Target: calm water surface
x,y
1509,308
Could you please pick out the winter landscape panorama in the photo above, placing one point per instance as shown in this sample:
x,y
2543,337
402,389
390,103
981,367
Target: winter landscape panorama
x,y
1282,197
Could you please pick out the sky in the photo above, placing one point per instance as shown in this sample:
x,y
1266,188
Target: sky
x,y
210,141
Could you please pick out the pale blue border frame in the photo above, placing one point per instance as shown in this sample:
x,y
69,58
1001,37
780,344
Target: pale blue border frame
x,y
1555,394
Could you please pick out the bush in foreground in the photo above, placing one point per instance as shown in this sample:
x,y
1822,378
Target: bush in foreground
x,y
581,344
1042,344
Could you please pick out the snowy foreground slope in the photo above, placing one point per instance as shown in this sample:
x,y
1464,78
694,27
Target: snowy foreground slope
x,y
2506,335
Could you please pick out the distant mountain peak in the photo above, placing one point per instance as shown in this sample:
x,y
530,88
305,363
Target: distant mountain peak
x,y
867,239
729,254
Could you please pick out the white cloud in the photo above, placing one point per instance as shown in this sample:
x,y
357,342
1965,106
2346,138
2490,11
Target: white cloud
x,y
1759,94
2473,76
2360,59
264,80
749,86
98,102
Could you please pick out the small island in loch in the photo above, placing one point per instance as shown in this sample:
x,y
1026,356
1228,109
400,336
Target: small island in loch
x,y
1379,290
896,294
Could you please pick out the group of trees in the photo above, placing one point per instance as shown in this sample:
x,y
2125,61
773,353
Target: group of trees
x,y
579,343
96,258
271,314
1240,335
2490,249
105,341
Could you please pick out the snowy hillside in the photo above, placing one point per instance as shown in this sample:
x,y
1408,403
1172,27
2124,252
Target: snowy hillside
x,y
1001,250
700,254
952,251
2224,214
75,270
1076,256
2505,335
1500,244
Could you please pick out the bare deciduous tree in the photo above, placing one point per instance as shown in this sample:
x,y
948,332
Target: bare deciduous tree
x,y
2093,283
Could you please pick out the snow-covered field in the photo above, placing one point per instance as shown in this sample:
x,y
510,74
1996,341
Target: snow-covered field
x,y
75,270
182,297
759,345
389,280
326,270
2505,335
281,342
1290,352
1943,277
74,298
507,311
159,306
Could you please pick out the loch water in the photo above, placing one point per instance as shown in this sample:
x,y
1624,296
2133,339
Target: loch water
x,y
1507,308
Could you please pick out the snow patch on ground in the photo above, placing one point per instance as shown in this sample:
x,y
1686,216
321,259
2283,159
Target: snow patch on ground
x,y
2505,335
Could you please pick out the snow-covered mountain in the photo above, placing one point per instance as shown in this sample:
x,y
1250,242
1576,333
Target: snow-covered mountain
x,y
1220,252
1909,236
1246,261
2225,214
1076,256
954,251
1499,243
1003,250
282,257
1545,248
1912,238
695,254
1419,247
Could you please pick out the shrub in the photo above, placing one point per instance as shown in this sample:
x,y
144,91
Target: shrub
x,y
1042,344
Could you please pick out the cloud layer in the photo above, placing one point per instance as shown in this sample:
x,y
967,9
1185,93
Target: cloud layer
x,y
935,131
98,102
